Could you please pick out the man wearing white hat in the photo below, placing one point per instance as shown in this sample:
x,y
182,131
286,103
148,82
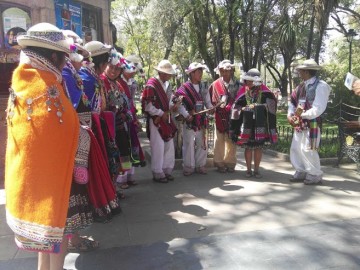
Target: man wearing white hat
x,y
220,92
194,99
308,101
160,127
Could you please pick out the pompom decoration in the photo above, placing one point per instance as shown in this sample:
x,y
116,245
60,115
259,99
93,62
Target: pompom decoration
x,y
80,175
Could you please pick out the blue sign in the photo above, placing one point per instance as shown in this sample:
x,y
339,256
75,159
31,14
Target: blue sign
x,y
68,16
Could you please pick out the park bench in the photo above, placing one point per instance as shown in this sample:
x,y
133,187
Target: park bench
x,y
349,134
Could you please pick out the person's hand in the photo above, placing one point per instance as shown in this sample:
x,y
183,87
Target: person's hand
x,y
174,108
189,119
212,111
233,136
293,120
356,87
165,116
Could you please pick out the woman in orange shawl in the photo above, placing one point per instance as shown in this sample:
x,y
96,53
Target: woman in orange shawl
x,y
43,131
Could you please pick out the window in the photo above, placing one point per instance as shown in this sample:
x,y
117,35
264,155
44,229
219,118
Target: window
x,y
91,23
13,21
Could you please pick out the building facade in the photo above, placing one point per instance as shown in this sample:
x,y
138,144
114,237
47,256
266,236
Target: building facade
x,y
90,19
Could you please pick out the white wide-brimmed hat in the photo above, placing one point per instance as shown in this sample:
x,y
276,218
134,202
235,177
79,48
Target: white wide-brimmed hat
x,y
165,67
79,52
45,35
308,64
226,64
194,66
97,48
133,58
252,75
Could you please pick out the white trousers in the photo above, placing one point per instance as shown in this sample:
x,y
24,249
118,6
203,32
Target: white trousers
x,y
303,159
224,151
162,153
194,149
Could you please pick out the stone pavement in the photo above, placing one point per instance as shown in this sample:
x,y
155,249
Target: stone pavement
x,y
222,221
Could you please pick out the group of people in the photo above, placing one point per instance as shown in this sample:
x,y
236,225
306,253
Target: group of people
x,y
73,143
244,116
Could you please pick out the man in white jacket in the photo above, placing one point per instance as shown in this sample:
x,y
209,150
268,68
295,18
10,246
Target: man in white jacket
x,y
308,101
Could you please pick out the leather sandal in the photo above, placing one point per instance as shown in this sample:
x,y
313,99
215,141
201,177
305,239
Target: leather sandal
x,y
161,180
169,177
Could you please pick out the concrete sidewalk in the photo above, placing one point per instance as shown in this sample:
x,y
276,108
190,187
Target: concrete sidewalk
x,y
223,221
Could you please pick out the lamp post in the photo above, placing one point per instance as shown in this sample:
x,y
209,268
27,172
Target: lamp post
x,y
350,36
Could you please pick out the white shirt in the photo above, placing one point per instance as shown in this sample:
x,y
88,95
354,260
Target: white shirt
x,y
206,97
320,101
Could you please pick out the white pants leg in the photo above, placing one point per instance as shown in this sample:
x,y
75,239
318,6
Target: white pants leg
x,y
219,149
188,149
169,157
302,157
157,146
200,149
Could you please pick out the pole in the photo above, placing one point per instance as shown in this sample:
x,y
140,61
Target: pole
x,y
350,45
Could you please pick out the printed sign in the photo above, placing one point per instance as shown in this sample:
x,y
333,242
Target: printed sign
x,y
68,16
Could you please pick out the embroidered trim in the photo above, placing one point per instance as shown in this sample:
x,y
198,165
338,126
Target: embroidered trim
x,y
39,62
33,231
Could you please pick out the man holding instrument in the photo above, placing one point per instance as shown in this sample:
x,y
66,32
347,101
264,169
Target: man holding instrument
x,y
160,128
220,92
194,99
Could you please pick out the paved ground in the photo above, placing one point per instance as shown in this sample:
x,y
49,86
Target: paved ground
x,y
223,221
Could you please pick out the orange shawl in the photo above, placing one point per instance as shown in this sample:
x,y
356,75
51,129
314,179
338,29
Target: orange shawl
x,y
40,157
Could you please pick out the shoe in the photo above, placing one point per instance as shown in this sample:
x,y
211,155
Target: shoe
x,y
120,194
257,175
296,180
185,173
169,177
132,183
312,182
161,180
124,186
201,170
86,244
248,174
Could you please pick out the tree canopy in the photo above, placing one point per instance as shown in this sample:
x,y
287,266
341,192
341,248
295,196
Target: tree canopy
x,y
267,34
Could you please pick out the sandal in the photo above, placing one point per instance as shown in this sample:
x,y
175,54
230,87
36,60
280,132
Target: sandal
x,y
161,180
185,173
124,186
222,169
257,175
169,177
132,183
86,244
249,173
230,170
120,195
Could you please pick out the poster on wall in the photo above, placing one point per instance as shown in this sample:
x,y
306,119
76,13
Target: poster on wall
x,y
12,27
68,15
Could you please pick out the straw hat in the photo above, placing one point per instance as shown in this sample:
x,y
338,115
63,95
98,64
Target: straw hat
x,y
45,35
194,66
226,64
252,75
309,64
165,67
97,48
133,58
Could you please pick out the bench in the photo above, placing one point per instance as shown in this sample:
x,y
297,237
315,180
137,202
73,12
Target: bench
x,y
349,134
